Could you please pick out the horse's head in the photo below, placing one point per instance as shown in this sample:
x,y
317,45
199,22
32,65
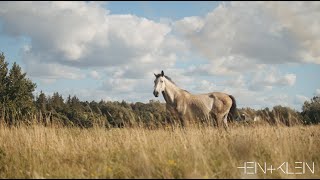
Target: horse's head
x,y
159,84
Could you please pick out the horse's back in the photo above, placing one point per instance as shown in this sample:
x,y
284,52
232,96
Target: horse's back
x,y
217,101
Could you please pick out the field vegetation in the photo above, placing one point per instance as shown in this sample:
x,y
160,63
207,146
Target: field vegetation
x,y
47,136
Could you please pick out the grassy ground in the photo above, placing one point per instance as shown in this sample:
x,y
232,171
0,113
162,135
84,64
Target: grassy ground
x,y
44,152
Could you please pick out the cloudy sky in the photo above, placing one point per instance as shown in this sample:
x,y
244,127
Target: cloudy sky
x,y
263,53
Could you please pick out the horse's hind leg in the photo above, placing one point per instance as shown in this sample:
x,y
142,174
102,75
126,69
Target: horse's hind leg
x,y
220,118
225,121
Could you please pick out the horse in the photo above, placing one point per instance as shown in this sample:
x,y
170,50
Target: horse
x,y
212,108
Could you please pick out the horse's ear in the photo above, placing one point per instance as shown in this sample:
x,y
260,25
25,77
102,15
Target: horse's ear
x,y
155,74
162,73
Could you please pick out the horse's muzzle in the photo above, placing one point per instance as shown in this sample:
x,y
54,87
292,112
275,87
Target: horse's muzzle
x,y
155,93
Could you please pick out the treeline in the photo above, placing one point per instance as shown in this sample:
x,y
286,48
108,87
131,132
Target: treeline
x,y
73,112
19,105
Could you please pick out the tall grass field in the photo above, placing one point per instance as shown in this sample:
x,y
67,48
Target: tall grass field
x,y
243,152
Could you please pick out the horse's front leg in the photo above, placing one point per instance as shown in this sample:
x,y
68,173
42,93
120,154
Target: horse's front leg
x,y
173,117
182,119
182,112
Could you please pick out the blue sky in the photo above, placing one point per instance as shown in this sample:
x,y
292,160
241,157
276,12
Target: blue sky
x,y
156,10
260,52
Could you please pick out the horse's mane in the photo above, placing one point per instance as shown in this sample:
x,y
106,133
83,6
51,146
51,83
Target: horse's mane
x,y
167,77
186,91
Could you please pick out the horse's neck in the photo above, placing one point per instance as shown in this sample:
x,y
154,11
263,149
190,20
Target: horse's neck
x,y
171,92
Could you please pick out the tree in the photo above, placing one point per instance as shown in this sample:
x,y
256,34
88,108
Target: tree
x,y
95,107
311,111
20,91
41,102
3,83
56,102
3,76
16,92
286,115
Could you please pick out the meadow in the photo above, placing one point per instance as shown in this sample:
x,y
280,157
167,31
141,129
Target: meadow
x,y
37,151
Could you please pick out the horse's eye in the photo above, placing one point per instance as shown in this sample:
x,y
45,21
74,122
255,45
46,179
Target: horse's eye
x,y
161,81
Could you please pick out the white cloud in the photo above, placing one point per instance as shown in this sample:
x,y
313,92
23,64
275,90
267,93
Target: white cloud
x,y
119,85
179,76
189,25
58,28
268,78
237,36
244,97
288,79
295,17
237,82
84,34
47,81
300,99
317,92
274,100
95,75
205,86
52,70
226,66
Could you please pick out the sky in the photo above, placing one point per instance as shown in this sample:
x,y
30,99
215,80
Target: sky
x,y
262,53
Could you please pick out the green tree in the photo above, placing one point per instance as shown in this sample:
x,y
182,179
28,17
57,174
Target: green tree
x,y
20,91
57,102
16,93
3,84
3,75
311,111
95,107
286,115
41,102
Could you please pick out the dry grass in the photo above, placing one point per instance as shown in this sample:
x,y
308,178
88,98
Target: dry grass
x,y
43,152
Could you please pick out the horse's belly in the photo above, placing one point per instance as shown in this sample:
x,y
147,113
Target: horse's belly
x,y
198,111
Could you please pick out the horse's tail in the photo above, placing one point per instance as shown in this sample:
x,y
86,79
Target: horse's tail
x,y
233,110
